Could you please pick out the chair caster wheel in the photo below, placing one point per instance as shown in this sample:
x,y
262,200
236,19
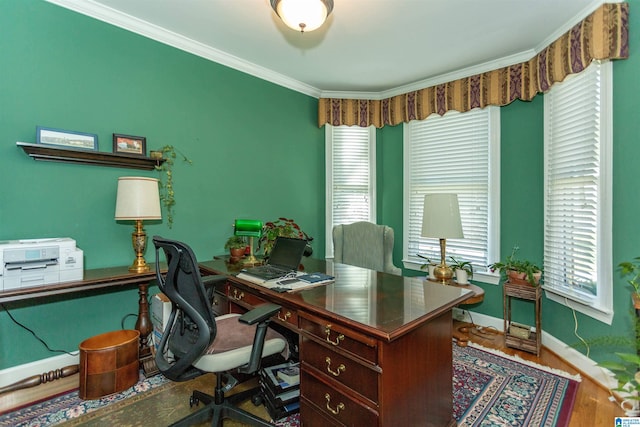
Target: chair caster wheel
x,y
193,401
257,400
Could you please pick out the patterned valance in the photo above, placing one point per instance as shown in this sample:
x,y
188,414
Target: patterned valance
x,y
602,35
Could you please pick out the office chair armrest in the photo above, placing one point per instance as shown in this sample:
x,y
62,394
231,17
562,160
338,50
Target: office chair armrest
x,y
209,281
259,314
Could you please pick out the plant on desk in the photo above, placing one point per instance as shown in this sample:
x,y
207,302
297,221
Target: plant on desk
x,y
518,271
237,246
282,227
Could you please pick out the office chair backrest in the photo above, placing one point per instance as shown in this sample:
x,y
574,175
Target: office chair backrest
x,y
191,327
365,244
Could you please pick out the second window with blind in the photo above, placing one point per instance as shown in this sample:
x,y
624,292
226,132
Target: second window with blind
x,y
456,153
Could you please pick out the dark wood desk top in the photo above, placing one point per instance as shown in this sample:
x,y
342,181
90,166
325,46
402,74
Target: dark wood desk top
x,y
92,279
376,303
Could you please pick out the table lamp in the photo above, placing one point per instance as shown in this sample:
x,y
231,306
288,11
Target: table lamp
x,y
138,199
249,228
441,219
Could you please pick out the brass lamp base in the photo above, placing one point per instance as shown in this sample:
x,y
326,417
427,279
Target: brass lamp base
x,y
139,241
442,272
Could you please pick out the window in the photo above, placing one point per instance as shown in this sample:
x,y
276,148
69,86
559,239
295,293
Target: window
x,y
455,153
350,174
578,166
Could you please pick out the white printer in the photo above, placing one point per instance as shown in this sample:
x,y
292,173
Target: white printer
x,y
39,262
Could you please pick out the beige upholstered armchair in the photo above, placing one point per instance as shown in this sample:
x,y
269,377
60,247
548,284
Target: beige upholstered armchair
x,y
364,244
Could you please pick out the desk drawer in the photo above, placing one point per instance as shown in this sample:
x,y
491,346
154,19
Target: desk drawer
x,y
333,404
220,304
336,367
249,300
340,337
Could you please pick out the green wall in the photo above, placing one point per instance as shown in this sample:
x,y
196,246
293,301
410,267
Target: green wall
x,y
247,138
256,148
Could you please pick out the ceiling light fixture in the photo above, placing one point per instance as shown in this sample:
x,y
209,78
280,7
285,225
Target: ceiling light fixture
x,y
303,15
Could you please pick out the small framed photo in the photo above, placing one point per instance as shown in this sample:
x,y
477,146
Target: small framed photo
x,y
128,144
66,138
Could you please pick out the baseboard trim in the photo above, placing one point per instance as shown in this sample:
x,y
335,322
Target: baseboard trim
x,y
585,365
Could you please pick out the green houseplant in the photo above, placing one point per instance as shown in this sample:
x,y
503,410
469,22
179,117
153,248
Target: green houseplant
x,y
167,194
462,269
237,247
519,271
284,227
429,265
632,268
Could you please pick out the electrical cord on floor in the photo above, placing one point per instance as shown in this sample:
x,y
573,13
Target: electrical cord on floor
x,y
35,335
485,332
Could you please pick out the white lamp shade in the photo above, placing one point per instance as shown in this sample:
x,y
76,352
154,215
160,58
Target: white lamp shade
x,y
137,198
310,13
441,217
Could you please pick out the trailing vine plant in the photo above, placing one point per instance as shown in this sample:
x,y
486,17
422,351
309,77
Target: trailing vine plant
x,y
167,194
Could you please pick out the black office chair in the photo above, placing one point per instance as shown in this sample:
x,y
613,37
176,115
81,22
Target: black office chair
x,y
196,342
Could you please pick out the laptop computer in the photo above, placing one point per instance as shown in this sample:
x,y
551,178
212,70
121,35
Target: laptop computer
x,y
284,259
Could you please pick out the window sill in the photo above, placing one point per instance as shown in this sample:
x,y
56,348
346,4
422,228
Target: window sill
x,y
603,315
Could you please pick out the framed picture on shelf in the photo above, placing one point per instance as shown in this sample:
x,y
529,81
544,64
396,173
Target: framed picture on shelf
x,y
129,144
66,138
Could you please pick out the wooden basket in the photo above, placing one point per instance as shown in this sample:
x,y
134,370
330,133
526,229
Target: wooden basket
x,y
108,363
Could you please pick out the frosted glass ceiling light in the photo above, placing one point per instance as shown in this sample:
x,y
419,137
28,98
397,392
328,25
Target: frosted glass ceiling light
x,y
303,15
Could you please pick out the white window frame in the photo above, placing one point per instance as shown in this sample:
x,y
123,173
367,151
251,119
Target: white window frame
x,y
331,133
492,117
569,294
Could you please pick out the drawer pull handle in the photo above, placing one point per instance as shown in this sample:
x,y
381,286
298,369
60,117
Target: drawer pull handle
x,y
286,316
327,330
237,295
339,407
341,367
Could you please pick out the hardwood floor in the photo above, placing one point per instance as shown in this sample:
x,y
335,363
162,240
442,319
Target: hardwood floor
x,y
592,406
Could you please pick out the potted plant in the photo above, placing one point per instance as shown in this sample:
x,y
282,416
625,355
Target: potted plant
x,y
167,195
518,271
632,268
429,265
627,373
462,269
284,227
237,247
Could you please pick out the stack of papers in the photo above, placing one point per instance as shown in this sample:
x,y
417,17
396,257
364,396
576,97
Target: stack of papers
x,y
291,284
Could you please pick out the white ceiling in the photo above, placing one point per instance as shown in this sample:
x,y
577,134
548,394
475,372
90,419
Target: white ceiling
x,y
367,48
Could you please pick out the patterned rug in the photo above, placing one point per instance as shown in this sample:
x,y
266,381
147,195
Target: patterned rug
x,y
489,389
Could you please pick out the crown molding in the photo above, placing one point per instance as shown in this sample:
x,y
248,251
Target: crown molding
x,y
154,32
111,16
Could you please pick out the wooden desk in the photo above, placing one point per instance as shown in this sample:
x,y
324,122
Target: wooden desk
x,y
375,349
93,279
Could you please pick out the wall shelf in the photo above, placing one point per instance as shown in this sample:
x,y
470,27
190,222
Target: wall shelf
x,y
67,155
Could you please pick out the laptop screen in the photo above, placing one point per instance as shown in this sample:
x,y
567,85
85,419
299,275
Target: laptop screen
x,y
287,252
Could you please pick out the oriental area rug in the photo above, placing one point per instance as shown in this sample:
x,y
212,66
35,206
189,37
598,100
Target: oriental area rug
x,y
489,389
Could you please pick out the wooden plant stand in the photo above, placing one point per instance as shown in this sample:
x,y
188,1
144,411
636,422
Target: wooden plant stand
x,y
529,293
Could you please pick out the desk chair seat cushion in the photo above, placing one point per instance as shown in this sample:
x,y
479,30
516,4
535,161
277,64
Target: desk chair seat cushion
x,y
233,343
366,245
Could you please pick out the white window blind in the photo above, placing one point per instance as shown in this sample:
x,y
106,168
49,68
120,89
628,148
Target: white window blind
x,y
455,153
577,240
350,175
